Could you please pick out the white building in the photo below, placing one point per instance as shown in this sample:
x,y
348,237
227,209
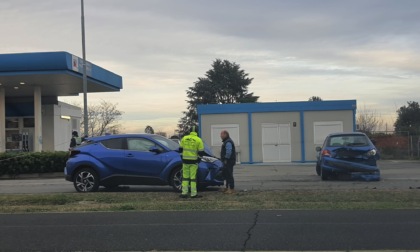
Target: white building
x,y
278,131
31,117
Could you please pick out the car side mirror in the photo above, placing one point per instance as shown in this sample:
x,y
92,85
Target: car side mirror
x,y
318,148
154,149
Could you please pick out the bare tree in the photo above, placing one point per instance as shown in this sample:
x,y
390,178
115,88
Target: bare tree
x,y
149,130
103,118
161,133
315,98
368,120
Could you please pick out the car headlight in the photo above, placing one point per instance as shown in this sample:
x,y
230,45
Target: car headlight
x,y
371,152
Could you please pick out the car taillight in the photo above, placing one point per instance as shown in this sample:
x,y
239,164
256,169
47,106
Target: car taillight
x,y
73,153
326,153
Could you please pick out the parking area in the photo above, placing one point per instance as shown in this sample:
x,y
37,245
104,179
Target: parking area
x,y
395,175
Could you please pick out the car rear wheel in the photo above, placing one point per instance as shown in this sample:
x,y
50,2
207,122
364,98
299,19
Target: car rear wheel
x,y
86,180
324,174
176,179
318,169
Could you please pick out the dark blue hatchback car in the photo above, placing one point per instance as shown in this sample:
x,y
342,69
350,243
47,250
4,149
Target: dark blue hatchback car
x,y
134,159
352,154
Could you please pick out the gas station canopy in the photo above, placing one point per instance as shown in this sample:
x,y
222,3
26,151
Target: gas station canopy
x,y
56,73
31,117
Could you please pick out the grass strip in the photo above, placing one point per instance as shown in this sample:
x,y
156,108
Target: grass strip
x,y
169,201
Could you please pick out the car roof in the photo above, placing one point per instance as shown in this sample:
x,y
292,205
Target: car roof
x,y
101,138
347,133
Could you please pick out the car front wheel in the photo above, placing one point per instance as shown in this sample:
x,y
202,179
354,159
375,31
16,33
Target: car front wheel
x,y
324,174
176,179
86,180
318,169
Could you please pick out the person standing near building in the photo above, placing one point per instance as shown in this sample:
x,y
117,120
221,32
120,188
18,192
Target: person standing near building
x,y
75,139
228,156
191,147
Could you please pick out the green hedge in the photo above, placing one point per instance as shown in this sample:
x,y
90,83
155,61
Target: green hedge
x,y
32,162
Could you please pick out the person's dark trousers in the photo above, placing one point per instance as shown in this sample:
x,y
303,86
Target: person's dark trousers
x,y
228,173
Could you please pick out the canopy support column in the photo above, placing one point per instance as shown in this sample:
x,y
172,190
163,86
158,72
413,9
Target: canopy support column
x,y
2,121
38,119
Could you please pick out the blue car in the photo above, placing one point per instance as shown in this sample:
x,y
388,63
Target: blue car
x,y
134,159
351,154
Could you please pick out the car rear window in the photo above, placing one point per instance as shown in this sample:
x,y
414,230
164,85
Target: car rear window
x,y
115,143
348,140
141,144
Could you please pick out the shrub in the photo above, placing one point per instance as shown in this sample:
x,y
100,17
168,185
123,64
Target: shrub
x,y
32,162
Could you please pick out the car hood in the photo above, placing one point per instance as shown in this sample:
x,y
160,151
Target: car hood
x,y
355,154
208,150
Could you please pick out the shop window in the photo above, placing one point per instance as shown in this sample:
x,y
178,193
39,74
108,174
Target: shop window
x,y
12,123
13,139
28,122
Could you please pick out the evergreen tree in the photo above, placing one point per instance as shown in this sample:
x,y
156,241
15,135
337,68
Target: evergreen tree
x,y
408,118
224,83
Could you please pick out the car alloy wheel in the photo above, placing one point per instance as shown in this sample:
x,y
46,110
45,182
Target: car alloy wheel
x,y
176,179
86,180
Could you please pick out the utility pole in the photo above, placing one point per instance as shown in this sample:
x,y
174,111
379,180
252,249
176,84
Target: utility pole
x,y
85,110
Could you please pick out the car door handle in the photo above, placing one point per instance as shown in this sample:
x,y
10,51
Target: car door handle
x,y
130,155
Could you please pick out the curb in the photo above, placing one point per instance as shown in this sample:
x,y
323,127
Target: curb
x,y
33,176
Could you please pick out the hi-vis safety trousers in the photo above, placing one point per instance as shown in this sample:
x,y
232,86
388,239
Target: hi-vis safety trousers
x,y
189,178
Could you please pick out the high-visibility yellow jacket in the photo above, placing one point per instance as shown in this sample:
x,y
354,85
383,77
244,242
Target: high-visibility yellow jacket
x,y
191,145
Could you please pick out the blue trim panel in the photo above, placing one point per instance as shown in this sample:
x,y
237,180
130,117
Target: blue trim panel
x,y
22,62
276,107
250,142
50,62
98,73
302,136
95,80
354,120
110,86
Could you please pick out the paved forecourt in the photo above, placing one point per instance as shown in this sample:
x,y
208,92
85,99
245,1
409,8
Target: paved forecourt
x,y
400,175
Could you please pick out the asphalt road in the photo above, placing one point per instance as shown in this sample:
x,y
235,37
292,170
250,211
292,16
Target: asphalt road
x,y
222,230
226,231
401,175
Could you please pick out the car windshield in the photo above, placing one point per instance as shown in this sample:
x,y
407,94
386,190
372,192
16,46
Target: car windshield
x,y
348,140
168,143
174,145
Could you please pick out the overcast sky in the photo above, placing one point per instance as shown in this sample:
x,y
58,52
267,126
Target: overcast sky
x,y
368,50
